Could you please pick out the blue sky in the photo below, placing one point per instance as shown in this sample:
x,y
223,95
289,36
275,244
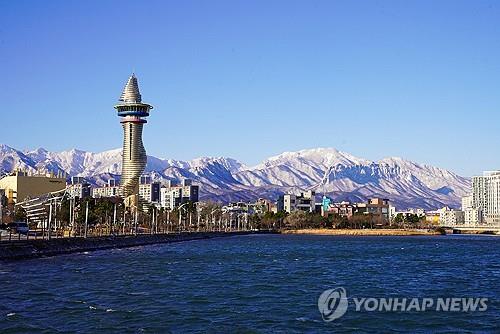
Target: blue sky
x,y
251,79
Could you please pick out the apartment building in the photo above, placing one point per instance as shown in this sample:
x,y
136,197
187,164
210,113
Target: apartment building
x,y
484,207
291,202
110,189
172,196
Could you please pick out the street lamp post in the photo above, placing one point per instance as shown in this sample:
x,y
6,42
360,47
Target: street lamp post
x,y
114,220
135,220
180,214
49,225
168,220
86,219
213,216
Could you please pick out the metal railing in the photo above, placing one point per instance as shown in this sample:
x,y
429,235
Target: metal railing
x,y
128,228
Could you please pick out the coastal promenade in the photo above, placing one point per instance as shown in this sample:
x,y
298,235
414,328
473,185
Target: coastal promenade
x,y
26,249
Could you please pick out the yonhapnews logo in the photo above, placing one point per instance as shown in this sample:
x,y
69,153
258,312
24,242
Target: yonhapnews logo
x,y
334,303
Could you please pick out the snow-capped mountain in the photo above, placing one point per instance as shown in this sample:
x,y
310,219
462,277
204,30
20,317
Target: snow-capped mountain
x,y
339,174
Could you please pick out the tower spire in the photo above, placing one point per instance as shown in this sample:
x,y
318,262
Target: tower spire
x,y
131,93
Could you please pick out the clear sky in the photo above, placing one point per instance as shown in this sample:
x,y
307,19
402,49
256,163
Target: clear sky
x,y
251,79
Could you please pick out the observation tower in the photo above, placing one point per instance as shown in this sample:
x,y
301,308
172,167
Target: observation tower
x,y
132,111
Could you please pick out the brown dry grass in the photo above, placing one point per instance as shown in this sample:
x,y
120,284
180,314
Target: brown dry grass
x,y
375,232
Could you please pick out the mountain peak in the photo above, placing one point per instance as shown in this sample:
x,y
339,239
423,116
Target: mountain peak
x,y
230,164
323,156
6,148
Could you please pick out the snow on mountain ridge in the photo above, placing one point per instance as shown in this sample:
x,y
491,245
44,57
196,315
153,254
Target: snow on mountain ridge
x,y
322,156
404,182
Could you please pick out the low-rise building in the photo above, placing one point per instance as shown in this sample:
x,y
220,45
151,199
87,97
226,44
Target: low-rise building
x,y
20,185
432,217
377,207
343,209
451,217
262,205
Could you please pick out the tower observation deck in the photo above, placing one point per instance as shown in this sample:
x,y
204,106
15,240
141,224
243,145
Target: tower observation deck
x,y
132,111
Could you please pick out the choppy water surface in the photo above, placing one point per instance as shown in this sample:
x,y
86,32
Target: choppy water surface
x,y
260,283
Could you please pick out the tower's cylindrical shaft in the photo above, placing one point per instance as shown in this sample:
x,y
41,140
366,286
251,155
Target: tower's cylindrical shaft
x,y
134,158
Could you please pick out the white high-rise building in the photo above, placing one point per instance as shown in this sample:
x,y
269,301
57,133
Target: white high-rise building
x,y
290,202
485,198
472,216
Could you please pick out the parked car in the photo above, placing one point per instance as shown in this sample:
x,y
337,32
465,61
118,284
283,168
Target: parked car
x,y
18,227
3,230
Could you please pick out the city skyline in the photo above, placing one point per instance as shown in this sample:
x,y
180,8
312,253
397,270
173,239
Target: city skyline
x,y
250,81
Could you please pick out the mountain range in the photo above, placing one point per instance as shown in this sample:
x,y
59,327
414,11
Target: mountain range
x,y
325,170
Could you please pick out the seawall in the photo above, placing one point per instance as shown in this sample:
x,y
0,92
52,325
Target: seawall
x,y
26,249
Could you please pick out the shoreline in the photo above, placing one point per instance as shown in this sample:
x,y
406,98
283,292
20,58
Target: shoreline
x,y
363,232
30,249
